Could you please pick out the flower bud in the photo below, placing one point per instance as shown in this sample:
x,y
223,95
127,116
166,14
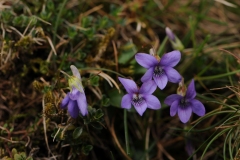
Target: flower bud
x,y
75,81
181,88
176,43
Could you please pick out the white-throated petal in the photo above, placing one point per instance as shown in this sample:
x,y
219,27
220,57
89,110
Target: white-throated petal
x,y
185,113
161,81
140,106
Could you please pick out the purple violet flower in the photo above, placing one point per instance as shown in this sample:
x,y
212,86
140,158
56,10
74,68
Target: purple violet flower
x,y
75,100
141,98
185,104
161,70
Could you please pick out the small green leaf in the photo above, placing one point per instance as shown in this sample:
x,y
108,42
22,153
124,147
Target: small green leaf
x,y
14,151
96,125
20,156
105,101
127,53
115,97
50,5
94,81
72,32
6,16
98,114
86,149
77,132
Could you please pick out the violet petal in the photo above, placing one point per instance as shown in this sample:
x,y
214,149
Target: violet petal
x,y
129,85
140,107
82,104
148,75
148,87
146,60
170,99
161,81
152,102
126,101
172,74
170,59
65,101
191,92
74,94
184,113
174,108
197,107
73,109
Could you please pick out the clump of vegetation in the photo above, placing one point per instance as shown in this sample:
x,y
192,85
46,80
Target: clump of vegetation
x,y
70,72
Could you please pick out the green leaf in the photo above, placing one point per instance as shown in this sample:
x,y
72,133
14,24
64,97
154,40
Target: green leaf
x,y
14,151
77,132
86,149
105,101
6,16
94,81
96,125
50,5
115,97
20,21
127,53
72,32
98,114
20,156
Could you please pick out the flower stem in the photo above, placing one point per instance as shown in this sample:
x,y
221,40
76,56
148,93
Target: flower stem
x,y
126,131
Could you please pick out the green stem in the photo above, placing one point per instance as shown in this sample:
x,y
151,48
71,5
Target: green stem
x,y
217,76
162,46
57,21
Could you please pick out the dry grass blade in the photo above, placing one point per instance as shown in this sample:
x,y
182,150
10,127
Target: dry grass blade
x,y
45,129
96,92
51,44
106,77
110,126
226,3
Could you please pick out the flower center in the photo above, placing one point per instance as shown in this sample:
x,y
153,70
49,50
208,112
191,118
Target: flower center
x,y
183,103
158,71
137,99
